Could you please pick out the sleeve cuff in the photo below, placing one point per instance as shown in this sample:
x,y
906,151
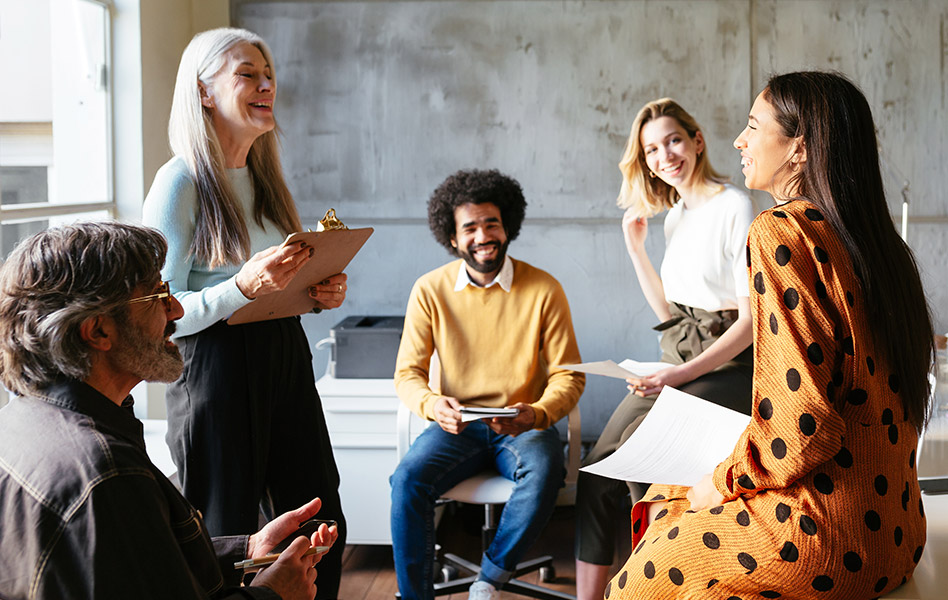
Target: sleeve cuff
x,y
723,482
208,306
542,419
231,296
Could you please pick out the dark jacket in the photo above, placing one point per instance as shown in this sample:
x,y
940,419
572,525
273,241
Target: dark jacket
x,y
85,514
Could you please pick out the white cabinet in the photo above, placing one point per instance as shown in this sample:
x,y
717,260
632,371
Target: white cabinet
x,y
360,414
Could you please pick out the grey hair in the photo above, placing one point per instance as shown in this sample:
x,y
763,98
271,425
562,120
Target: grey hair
x,y
55,280
220,235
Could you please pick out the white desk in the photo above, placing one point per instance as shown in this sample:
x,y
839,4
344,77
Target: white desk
x,y
158,452
930,581
361,415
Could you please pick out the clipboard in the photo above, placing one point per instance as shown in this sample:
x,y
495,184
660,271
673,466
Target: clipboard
x,y
333,249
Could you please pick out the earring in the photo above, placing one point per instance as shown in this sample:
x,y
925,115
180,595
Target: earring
x,y
652,175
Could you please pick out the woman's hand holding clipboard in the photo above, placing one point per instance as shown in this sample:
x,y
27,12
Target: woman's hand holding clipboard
x,y
332,250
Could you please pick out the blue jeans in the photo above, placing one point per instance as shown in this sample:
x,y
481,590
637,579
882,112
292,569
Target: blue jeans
x,y
436,462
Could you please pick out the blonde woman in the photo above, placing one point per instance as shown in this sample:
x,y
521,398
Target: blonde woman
x,y
700,299
245,425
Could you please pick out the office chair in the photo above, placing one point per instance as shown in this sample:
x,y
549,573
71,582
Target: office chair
x,y
491,489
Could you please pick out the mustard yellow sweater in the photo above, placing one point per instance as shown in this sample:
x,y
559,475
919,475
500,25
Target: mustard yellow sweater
x,y
496,348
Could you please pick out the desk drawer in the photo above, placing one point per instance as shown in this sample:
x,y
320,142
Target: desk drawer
x,y
356,416
363,441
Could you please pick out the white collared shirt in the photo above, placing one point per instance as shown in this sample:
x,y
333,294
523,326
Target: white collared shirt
x,y
504,277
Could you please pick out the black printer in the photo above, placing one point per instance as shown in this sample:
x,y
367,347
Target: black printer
x,y
365,347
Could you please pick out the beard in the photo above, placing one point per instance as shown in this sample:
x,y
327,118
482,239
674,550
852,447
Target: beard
x,y
489,266
149,358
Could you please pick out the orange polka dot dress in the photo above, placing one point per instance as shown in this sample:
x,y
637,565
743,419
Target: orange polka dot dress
x,y
821,493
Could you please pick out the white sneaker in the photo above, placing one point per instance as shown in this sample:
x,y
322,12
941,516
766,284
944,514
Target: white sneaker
x,y
481,590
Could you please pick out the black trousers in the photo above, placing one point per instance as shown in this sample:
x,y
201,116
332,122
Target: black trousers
x,y
247,431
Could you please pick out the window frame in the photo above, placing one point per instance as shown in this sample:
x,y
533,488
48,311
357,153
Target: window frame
x,y
35,211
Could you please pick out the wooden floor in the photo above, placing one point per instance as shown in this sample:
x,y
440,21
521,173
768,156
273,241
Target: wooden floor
x,y
368,572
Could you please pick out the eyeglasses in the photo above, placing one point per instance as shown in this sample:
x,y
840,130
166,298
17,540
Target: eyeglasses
x,y
164,294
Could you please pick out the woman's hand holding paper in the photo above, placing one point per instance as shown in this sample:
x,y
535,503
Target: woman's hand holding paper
x,y
653,384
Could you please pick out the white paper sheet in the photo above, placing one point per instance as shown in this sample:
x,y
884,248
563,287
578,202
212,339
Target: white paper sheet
x,y
643,369
624,370
679,441
473,413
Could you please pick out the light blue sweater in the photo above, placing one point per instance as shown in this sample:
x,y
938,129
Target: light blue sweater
x,y
207,295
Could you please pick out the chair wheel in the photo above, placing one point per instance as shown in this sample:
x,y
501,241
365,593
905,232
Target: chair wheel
x,y
448,572
547,574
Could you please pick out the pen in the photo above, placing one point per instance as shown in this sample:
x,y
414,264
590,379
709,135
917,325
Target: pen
x,y
269,559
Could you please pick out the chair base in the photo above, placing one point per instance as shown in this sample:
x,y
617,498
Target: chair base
x,y
514,585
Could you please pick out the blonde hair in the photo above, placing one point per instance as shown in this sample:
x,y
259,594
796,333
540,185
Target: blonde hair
x,y
647,195
221,235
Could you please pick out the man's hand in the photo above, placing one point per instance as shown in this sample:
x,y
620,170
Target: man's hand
x,y
704,495
293,575
279,528
514,426
447,413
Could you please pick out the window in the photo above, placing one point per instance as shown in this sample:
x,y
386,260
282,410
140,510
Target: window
x,y
55,139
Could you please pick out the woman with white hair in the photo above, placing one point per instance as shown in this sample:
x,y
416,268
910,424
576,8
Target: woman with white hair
x,y
245,423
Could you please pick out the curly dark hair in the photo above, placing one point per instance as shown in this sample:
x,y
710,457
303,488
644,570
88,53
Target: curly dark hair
x,y
475,187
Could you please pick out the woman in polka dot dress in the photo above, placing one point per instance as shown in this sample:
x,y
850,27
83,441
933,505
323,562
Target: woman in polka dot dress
x,y
819,498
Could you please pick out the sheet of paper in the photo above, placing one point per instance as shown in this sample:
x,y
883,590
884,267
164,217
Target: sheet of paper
x,y
679,441
624,370
643,369
473,413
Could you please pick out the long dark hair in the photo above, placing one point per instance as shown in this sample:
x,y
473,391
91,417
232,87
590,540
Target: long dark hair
x,y
841,176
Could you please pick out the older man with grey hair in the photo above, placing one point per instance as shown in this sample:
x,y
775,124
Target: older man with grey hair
x,y
85,514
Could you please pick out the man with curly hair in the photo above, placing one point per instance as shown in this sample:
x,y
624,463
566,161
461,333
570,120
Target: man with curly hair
x,y
499,326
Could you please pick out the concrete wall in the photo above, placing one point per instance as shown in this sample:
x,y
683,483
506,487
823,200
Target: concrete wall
x,y
379,101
